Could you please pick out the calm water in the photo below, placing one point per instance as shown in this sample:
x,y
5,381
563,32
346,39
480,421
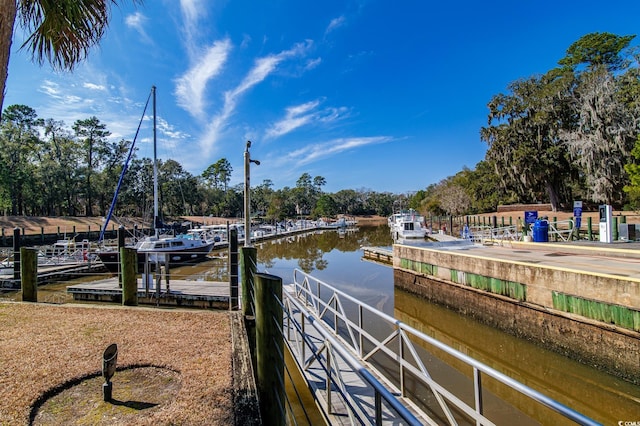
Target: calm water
x,y
337,260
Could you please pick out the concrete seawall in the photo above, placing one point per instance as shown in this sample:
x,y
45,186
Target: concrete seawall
x,y
580,303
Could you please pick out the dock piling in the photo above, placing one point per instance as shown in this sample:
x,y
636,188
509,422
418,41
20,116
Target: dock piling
x,y
129,263
120,246
16,253
29,274
248,267
233,269
270,348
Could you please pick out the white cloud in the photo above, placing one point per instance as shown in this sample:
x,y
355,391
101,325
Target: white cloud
x,y
335,23
190,88
192,12
312,63
169,130
93,86
304,114
294,118
312,153
137,21
262,68
50,88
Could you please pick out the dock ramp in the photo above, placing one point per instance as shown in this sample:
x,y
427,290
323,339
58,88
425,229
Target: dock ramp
x,y
363,366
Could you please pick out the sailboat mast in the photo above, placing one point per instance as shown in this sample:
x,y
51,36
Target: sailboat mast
x,y
155,167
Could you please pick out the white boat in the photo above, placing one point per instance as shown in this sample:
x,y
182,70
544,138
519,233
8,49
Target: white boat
x,y
185,248
63,252
407,224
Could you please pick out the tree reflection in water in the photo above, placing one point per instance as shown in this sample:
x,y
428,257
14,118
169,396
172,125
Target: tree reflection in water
x,y
309,249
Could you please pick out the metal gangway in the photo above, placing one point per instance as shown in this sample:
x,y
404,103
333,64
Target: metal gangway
x,y
364,366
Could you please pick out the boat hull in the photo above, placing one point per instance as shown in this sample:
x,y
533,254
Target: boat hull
x,y
111,259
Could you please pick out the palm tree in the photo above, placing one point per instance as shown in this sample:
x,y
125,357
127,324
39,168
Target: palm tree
x,y
60,32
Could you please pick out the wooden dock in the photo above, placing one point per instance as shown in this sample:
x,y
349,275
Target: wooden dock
x,y
184,293
55,273
378,254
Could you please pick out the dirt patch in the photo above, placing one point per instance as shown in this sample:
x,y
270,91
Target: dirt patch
x,y
45,347
136,392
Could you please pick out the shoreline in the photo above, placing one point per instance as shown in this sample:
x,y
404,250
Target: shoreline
x,y
70,225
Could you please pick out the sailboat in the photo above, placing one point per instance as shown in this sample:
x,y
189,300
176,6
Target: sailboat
x,y
180,249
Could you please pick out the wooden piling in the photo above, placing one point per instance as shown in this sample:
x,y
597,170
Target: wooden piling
x,y
233,268
29,274
16,253
248,266
270,348
128,266
120,245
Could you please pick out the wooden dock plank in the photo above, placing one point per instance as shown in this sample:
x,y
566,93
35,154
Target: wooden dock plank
x,y
207,294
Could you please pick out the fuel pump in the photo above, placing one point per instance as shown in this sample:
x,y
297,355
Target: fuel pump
x,y
606,226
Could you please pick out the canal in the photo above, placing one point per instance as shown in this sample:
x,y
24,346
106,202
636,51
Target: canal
x,y
337,260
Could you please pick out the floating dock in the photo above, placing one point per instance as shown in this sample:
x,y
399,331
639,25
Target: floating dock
x,y
49,274
184,293
378,254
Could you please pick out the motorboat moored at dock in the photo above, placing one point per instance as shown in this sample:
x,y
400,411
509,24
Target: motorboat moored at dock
x,y
407,224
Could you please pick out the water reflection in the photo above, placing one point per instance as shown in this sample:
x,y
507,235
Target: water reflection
x,y
335,259
308,250
338,261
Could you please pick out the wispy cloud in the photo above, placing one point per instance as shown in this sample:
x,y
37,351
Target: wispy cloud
x,y
50,88
335,23
137,22
167,129
300,115
295,117
192,12
90,92
190,88
93,86
263,67
312,153
312,63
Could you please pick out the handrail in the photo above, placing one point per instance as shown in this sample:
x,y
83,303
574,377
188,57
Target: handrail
x,y
504,233
554,228
336,347
314,301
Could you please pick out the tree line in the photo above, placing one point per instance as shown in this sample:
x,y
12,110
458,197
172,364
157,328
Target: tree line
x,y
569,134
47,169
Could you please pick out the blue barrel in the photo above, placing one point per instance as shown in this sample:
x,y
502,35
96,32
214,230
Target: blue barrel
x,y
541,231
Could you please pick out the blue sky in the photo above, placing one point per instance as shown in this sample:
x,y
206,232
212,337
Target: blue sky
x,y
379,95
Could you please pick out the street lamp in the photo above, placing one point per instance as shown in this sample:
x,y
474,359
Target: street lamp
x,y
247,197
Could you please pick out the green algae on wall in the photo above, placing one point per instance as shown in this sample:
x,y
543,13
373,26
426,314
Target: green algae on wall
x,y
599,311
510,289
421,267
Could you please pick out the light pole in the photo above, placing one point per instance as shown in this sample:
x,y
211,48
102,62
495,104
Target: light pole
x,y
247,196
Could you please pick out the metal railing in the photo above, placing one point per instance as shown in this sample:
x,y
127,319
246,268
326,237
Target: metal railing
x,y
484,234
323,349
561,230
320,305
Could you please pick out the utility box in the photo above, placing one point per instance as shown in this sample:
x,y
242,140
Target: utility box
x,y
605,212
627,231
